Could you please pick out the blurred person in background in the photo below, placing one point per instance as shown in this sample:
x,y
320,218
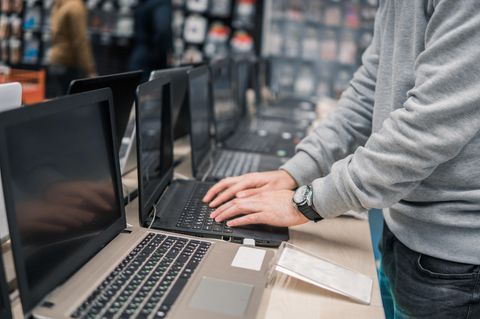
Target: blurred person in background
x,y
70,55
153,36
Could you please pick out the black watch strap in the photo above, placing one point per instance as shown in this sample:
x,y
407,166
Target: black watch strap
x,y
310,213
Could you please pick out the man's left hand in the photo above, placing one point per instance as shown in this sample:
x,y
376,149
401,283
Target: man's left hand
x,y
272,208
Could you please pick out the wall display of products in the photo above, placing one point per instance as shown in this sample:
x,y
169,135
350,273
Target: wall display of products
x,y
206,29
20,37
322,41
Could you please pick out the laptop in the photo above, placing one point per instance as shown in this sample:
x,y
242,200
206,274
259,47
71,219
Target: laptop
x,y
208,161
123,86
176,205
242,69
179,86
76,258
10,97
287,109
180,116
5,310
228,115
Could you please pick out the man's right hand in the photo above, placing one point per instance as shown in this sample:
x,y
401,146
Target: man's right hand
x,y
248,185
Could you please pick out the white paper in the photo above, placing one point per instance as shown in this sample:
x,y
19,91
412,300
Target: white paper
x,y
249,258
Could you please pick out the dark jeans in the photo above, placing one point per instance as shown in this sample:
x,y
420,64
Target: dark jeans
x,y
426,287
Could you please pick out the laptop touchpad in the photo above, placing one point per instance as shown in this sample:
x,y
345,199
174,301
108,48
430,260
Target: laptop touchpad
x,y
221,296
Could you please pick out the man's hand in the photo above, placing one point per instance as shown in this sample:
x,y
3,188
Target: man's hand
x,y
248,185
272,208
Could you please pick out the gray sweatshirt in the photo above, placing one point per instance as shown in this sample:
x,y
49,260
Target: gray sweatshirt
x,y
406,133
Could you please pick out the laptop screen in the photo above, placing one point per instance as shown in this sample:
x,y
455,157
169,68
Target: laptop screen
x,y
155,142
224,106
199,100
5,312
123,86
63,186
179,85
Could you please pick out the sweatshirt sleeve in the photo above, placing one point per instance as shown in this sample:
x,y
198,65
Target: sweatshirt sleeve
x,y
79,33
346,128
440,116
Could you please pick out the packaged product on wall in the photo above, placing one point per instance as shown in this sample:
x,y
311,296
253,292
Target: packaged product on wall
x,y
216,44
16,26
348,49
4,26
310,45
220,8
328,45
195,29
199,6
242,42
332,15
192,55
306,81
293,39
15,46
244,16
351,16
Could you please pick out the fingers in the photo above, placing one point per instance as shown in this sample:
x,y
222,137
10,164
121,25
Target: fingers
x,y
230,192
255,218
237,207
219,187
250,192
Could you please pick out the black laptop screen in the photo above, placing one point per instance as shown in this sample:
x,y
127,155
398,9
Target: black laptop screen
x,y
200,113
224,106
156,144
123,86
62,177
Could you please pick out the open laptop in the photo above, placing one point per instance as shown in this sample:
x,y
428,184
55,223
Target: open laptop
x,y
10,97
208,161
179,87
5,310
287,109
75,258
242,69
123,86
176,205
227,117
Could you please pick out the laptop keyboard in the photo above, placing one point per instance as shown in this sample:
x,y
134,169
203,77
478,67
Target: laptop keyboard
x,y
235,164
251,142
148,281
196,214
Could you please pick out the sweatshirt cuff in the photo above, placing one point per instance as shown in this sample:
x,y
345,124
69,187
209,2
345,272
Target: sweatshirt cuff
x,y
300,168
326,199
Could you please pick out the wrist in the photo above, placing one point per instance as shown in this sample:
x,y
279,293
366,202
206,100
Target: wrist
x,y
288,179
303,201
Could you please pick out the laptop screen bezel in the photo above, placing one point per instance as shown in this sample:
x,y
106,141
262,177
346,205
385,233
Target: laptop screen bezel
x,y
166,128
134,77
27,114
194,73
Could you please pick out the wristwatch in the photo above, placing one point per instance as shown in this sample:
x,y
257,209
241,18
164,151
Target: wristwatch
x,y
303,201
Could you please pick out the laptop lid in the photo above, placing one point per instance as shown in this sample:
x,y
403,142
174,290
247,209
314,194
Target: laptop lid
x,y
154,143
199,100
241,76
225,112
123,86
5,311
62,188
179,86
10,97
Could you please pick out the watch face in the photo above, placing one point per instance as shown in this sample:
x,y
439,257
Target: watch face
x,y
300,195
